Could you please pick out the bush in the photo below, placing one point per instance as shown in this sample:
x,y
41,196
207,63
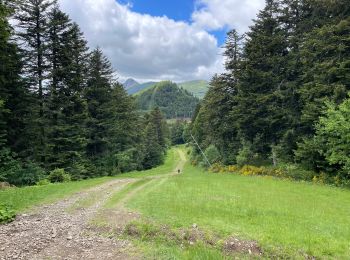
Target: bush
x,y
59,175
7,214
8,166
213,154
43,182
29,174
79,170
217,167
128,160
245,154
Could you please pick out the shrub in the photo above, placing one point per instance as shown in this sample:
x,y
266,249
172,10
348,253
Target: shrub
x,y
43,182
217,167
7,214
128,160
29,174
59,175
245,154
79,170
213,154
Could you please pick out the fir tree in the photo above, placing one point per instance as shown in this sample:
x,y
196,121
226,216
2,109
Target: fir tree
x,y
155,139
67,110
99,96
32,16
326,57
260,106
14,95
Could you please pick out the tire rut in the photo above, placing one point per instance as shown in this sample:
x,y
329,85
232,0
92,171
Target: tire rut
x,y
53,233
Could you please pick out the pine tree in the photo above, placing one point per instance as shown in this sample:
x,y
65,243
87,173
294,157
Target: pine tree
x,y
326,76
99,96
125,134
155,139
157,119
261,109
13,92
13,101
32,33
67,110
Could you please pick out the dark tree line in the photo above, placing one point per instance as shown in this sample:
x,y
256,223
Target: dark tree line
x,y
266,107
60,105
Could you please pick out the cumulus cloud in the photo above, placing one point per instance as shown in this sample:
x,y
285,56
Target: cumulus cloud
x,y
219,14
143,46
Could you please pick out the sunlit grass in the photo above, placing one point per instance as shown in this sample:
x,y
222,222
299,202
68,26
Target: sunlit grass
x,y
120,194
170,162
24,198
285,217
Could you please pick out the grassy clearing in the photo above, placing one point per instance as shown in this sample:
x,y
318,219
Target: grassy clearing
x,y
170,162
22,199
286,218
119,195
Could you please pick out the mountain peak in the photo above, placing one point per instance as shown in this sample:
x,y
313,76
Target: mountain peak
x,y
130,83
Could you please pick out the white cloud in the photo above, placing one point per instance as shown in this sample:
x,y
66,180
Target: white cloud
x,y
146,47
218,14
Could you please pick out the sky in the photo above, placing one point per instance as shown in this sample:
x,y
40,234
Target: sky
x,y
176,40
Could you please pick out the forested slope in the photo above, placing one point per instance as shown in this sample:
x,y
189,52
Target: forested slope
x,y
62,114
283,96
173,101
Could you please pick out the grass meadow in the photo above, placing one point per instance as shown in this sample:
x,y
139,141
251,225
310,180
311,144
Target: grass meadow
x,y
22,199
286,218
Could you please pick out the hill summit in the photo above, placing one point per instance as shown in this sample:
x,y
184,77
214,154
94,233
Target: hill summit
x,y
173,101
130,83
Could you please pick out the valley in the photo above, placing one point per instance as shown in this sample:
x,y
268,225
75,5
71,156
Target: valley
x,y
192,215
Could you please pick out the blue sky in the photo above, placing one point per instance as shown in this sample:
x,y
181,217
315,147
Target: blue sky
x,y
179,10
175,40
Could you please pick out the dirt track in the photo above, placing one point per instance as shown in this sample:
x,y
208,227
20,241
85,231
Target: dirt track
x,y
63,230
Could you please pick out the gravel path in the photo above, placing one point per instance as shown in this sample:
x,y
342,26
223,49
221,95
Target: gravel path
x,y
62,230
55,232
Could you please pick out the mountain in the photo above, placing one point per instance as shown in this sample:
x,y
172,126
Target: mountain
x,y
197,87
173,101
140,87
130,83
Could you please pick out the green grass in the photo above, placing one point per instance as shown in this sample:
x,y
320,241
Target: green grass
x,y
24,198
119,195
169,164
286,218
197,87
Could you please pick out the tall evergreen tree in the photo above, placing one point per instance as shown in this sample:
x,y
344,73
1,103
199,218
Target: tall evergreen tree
x,y
155,139
99,97
67,110
125,134
262,120
326,54
32,24
13,93
215,123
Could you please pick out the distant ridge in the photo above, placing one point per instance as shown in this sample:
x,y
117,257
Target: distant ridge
x,y
197,87
141,87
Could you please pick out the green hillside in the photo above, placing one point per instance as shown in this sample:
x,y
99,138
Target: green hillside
x,y
173,101
140,88
197,87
